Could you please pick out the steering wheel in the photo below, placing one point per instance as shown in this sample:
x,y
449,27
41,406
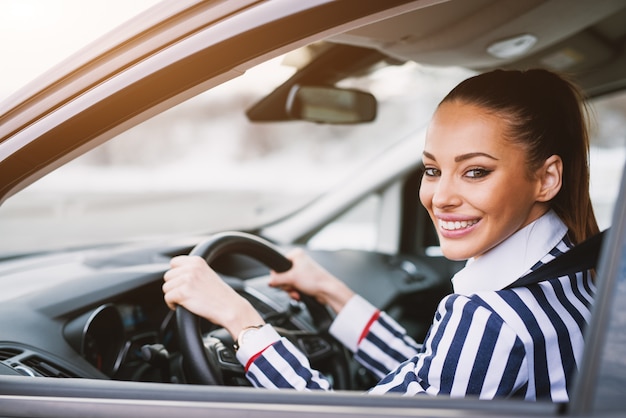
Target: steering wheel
x,y
206,361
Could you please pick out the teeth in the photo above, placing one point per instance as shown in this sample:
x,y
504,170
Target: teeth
x,y
451,226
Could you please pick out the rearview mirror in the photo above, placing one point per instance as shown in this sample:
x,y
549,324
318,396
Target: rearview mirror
x,y
327,104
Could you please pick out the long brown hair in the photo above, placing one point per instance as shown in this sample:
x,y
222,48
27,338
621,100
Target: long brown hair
x,y
546,114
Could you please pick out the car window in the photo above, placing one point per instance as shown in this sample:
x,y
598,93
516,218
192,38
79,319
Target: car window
x,y
607,154
356,229
202,166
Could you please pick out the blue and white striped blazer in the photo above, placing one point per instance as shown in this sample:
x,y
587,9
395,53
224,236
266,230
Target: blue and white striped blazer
x,y
522,342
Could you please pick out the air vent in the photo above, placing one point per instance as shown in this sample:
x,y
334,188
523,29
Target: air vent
x,y
7,353
45,368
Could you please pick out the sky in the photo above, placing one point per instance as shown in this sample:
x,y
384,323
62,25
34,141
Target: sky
x,y
35,35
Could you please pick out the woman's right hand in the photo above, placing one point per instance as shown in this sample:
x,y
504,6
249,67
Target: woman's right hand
x,y
191,283
308,277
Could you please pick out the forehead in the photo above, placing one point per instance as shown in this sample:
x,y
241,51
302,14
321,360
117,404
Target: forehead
x,y
458,127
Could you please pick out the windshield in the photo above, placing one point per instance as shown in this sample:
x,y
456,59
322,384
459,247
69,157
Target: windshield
x,y
203,166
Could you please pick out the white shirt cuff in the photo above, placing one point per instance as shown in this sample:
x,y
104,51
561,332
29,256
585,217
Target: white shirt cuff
x,y
351,321
259,341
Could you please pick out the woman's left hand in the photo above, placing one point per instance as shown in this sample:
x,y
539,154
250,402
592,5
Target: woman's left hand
x,y
191,283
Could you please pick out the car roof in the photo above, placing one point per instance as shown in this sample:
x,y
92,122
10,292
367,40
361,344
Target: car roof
x,y
583,38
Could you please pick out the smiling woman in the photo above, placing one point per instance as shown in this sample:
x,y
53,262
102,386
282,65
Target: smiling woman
x,y
482,186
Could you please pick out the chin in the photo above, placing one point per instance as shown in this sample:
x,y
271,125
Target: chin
x,y
455,254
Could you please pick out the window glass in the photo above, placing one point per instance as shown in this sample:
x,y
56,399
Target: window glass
x,y
203,167
356,229
607,153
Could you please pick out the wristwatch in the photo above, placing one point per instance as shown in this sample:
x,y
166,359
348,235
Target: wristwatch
x,y
245,335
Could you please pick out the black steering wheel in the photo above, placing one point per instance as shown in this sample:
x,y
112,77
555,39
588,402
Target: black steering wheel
x,y
206,361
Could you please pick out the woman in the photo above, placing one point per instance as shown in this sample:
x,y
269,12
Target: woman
x,y
506,184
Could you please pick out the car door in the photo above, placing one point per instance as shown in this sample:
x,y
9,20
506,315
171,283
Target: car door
x,y
601,386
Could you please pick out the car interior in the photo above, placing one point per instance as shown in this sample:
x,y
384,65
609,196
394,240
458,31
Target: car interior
x,y
101,313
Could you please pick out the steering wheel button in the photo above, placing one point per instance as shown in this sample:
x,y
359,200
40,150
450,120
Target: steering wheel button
x,y
227,356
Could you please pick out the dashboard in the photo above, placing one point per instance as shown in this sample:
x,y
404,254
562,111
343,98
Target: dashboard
x,y
121,340
100,313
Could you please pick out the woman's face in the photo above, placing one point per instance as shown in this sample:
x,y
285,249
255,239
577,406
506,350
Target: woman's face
x,y
476,186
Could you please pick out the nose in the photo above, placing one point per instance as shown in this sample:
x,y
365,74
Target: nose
x,y
446,193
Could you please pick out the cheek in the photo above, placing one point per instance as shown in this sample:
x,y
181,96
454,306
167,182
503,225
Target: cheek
x,y
425,194
507,199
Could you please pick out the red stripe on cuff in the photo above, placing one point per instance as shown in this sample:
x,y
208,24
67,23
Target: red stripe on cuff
x,y
367,327
254,357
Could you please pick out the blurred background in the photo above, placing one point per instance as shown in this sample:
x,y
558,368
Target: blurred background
x,y
202,166
37,34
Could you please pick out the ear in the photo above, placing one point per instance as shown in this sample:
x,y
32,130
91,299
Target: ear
x,y
549,176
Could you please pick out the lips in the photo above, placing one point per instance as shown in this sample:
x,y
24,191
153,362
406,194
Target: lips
x,y
456,225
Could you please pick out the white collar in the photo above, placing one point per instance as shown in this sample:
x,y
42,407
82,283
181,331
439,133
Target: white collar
x,y
512,258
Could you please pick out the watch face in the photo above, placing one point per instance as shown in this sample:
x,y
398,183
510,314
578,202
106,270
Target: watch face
x,y
245,334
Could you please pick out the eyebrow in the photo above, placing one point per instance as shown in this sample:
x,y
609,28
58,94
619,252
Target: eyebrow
x,y
463,157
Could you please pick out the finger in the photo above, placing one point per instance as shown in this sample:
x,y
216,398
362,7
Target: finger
x,y
294,294
295,253
279,279
169,275
174,273
187,260
169,298
178,260
167,286
290,290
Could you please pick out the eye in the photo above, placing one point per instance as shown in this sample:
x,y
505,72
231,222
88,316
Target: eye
x,y
476,173
431,172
